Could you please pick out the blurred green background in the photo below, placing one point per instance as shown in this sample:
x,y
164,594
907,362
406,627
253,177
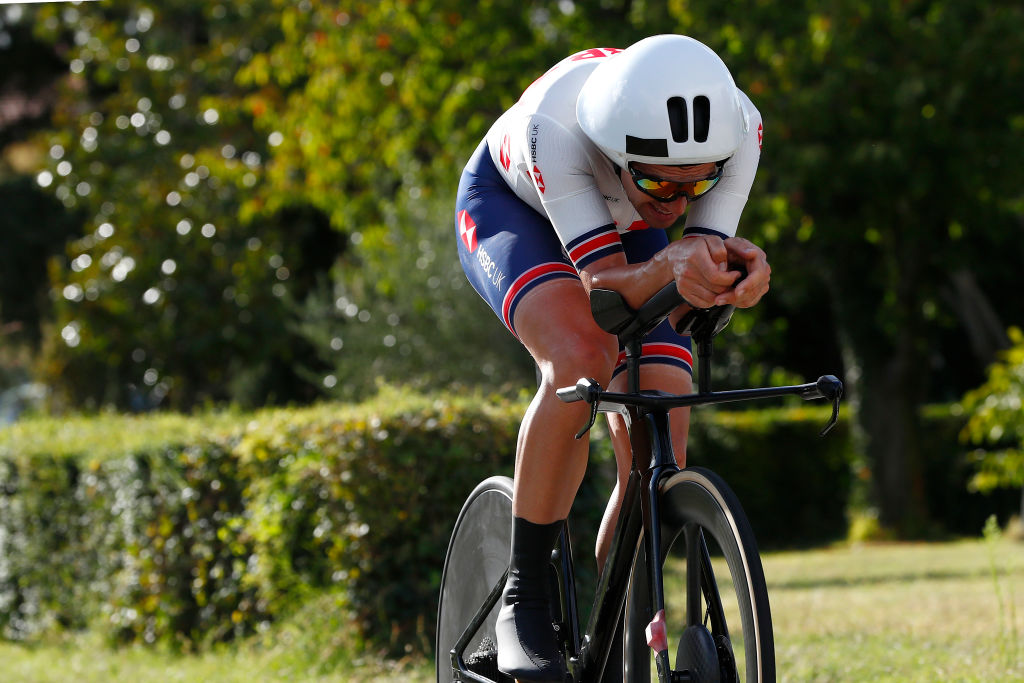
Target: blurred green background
x,y
210,204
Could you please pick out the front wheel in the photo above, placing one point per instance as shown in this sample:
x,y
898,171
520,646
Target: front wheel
x,y
713,581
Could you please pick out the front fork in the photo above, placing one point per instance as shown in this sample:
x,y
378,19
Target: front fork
x,y
657,637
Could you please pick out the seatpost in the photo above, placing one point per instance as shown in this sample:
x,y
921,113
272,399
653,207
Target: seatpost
x,y
704,352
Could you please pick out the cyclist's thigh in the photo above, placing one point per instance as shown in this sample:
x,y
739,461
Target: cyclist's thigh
x,y
506,248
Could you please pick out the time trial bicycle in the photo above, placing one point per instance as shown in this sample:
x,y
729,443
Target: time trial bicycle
x,y
666,511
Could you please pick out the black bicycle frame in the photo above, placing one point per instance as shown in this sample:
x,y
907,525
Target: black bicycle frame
x,y
649,434
639,513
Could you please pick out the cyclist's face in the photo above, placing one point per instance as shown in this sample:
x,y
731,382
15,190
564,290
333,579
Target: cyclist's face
x,y
662,214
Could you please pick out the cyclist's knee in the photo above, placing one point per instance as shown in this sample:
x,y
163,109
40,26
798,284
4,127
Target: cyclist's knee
x,y
580,356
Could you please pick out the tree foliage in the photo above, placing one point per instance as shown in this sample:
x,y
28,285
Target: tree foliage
x,y
996,423
33,226
175,291
892,134
293,166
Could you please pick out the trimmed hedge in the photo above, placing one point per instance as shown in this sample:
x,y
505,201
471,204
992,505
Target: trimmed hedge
x,y
196,536
190,531
794,485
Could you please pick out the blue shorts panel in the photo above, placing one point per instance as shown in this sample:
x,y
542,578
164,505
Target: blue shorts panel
x,y
506,249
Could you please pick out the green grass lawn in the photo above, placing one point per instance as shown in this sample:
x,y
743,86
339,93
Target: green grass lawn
x,y
899,612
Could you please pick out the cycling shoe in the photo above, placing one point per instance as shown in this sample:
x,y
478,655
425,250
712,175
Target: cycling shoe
x,y
528,647
527,644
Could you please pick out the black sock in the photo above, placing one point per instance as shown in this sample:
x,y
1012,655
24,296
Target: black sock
x,y
531,553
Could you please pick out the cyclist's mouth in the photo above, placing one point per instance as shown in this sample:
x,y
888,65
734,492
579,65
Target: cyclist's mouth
x,y
657,207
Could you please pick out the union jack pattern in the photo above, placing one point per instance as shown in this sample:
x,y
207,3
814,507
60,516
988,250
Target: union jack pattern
x,y
662,353
527,281
593,245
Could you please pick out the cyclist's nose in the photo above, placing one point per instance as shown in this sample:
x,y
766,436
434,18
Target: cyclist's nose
x,y
677,206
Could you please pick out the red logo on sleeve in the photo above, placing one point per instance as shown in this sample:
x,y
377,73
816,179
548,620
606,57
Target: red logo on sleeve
x,y
505,153
538,178
760,134
467,230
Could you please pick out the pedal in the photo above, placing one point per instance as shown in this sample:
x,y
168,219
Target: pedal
x,y
484,662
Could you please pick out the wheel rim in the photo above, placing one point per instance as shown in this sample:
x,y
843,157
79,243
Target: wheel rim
x,y
698,499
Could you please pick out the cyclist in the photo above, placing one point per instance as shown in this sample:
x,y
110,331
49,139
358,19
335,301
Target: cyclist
x,y
572,189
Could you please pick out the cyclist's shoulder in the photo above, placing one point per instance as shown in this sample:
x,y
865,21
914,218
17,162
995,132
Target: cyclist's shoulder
x,y
548,105
558,87
575,66
755,124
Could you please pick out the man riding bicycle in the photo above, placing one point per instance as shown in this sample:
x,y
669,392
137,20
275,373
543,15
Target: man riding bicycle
x,y
572,189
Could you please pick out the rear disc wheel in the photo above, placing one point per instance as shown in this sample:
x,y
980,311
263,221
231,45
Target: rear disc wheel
x,y
474,568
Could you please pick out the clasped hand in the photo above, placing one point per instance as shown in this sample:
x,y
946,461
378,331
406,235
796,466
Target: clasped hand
x,y
701,269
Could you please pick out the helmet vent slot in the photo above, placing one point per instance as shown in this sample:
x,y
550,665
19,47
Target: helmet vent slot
x,y
701,118
678,120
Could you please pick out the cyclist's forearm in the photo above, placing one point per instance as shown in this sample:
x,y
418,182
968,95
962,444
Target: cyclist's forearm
x,y
636,282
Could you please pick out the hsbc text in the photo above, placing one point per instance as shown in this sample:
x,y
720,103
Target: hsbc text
x,y
490,268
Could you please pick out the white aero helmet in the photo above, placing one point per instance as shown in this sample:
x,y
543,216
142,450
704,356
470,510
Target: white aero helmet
x,y
665,100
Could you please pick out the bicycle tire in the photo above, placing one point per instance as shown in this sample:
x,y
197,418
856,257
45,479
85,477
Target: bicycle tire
x,y
477,559
695,504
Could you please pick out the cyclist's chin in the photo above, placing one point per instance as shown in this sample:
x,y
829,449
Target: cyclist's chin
x,y
658,216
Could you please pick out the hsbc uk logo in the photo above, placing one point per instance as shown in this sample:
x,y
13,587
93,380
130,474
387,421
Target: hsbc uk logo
x,y
490,268
467,231
538,178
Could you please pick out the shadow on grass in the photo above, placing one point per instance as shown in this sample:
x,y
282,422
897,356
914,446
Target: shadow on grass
x,y
880,579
